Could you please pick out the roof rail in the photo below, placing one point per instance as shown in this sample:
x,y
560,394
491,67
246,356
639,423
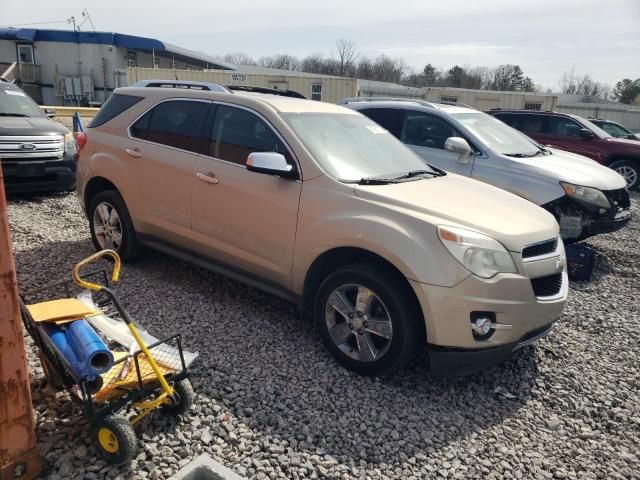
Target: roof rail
x,y
455,104
424,103
266,90
188,84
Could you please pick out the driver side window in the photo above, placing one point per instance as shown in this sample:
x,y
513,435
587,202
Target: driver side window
x,y
564,127
424,130
237,132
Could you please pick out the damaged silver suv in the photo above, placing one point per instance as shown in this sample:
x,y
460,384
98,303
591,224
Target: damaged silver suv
x,y
586,198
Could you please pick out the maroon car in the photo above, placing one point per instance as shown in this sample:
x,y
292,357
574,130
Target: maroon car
x,y
578,135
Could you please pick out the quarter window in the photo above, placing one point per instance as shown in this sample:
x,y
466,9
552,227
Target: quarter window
x,y
424,130
237,132
316,91
177,124
533,123
114,106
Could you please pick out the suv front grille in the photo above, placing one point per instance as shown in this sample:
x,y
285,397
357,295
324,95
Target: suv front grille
x,y
31,148
547,286
619,199
541,248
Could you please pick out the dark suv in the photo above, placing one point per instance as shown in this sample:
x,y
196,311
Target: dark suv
x,y
578,135
37,153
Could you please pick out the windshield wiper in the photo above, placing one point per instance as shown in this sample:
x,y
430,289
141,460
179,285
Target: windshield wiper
x,y
522,155
417,173
376,181
12,114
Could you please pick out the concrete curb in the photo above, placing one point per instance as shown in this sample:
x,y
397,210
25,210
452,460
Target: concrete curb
x,y
205,468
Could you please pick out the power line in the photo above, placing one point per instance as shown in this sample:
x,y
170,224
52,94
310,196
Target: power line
x,y
34,23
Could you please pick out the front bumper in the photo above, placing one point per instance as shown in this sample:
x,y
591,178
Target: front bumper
x,y
519,314
39,176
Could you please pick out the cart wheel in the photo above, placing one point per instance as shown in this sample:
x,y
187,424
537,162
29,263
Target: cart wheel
x,y
183,396
115,439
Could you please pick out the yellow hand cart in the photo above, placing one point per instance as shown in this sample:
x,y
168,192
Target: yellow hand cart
x,y
141,380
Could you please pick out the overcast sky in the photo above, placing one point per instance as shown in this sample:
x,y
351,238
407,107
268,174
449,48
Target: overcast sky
x,y
544,37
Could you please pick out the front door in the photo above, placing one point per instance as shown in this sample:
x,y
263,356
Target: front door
x,y
242,219
426,135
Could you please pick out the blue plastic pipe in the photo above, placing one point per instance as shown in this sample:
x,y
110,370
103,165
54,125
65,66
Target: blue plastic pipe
x,y
68,356
89,347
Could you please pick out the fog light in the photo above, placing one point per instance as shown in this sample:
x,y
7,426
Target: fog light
x,y
482,324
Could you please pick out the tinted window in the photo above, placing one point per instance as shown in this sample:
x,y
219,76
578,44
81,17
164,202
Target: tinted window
x,y
614,129
424,130
139,129
176,123
533,123
563,126
236,133
509,119
114,106
389,118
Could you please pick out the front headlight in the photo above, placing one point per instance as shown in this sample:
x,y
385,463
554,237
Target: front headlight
x,y
478,253
589,195
69,142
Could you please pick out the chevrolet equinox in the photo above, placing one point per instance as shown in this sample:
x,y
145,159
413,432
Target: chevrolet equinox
x,y
317,204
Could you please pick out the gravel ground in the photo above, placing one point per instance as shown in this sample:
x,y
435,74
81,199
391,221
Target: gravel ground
x,y
271,403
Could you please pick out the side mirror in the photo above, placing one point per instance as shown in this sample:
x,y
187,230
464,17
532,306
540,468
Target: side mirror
x,y
271,163
460,147
586,133
50,112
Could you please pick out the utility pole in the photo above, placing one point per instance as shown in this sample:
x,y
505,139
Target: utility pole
x,y
19,457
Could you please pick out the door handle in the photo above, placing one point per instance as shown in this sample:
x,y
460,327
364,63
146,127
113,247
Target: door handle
x,y
135,153
208,178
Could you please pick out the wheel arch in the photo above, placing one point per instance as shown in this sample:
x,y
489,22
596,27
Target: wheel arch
x,y
615,157
95,186
331,259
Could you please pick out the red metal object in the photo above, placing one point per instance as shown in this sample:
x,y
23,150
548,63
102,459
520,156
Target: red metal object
x,y
19,458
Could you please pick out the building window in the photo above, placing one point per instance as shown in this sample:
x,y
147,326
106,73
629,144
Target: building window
x,y
25,54
316,91
132,59
532,106
449,99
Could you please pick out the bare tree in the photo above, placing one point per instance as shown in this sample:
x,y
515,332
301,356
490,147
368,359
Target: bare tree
x,y
346,52
576,84
238,58
281,61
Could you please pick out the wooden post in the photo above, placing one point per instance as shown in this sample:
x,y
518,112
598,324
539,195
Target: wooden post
x,y
19,458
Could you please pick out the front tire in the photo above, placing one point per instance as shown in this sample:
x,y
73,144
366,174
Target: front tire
x,y
115,439
369,319
111,226
630,170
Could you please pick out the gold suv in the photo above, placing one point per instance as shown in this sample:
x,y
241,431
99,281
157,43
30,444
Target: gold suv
x,y
319,205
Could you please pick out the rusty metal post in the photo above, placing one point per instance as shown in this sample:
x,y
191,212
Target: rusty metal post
x,y
19,457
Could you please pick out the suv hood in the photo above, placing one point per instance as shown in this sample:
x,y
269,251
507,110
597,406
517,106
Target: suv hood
x,y
25,126
459,201
574,168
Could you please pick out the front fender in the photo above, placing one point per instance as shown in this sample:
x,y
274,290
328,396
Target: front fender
x,y
344,220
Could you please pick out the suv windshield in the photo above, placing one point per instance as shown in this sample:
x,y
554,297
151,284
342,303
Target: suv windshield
x,y
16,103
351,146
498,136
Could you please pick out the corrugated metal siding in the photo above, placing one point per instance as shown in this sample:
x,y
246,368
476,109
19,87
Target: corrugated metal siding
x,y
620,114
486,100
333,89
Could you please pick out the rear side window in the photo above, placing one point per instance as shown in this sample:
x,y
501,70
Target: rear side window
x,y
424,130
114,106
533,123
236,133
176,123
509,119
389,118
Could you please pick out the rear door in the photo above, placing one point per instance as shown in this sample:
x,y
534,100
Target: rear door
x,y
244,220
164,148
426,135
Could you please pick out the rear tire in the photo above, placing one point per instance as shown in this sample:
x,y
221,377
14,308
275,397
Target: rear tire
x,y
630,170
111,226
369,319
182,399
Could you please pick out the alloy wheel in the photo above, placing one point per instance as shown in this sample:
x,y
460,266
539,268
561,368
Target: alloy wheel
x,y
629,173
358,322
107,226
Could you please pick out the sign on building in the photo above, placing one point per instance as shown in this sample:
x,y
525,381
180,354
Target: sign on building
x,y
238,78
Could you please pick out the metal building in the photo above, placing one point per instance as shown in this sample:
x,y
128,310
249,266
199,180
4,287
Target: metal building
x,y
61,67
